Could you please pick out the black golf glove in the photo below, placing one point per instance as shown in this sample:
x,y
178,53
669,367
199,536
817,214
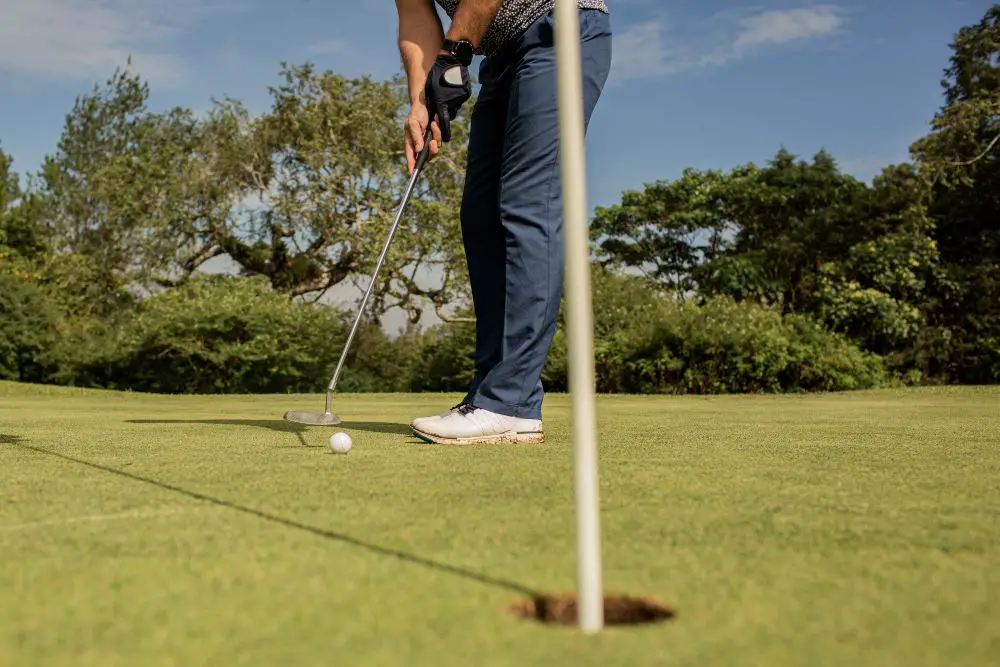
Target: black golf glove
x,y
446,90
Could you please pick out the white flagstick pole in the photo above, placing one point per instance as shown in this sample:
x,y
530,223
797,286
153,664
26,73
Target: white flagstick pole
x,y
590,597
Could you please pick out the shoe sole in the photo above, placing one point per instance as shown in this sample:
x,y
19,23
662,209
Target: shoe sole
x,y
506,438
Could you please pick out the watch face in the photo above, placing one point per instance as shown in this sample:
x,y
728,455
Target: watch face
x,y
464,52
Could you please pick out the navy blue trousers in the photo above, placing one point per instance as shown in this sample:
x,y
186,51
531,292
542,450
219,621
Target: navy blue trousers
x,y
512,210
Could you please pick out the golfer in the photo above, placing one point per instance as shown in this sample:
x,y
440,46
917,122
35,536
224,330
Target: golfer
x,y
511,211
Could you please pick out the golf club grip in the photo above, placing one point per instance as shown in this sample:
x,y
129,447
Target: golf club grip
x,y
422,158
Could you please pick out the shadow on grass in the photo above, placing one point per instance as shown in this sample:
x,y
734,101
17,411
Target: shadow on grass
x,y
276,425
282,426
289,523
377,427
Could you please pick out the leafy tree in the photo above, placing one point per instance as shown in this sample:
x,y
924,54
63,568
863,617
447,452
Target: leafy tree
x,y
877,291
960,159
666,230
27,328
323,174
20,233
756,233
303,194
95,183
961,148
115,195
10,186
789,218
797,235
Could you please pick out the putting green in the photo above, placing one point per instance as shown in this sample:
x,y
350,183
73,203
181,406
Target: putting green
x,y
841,529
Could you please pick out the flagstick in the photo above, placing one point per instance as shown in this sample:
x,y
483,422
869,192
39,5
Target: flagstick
x,y
590,597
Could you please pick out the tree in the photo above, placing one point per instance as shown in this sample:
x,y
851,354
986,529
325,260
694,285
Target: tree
x,y
797,235
116,196
10,186
960,160
877,292
961,148
27,328
20,234
666,230
303,194
326,165
790,217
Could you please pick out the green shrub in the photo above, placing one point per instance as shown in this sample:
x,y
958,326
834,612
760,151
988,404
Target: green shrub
x,y
620,303
376,362
223,334
723,346
445,361
645,343
27,326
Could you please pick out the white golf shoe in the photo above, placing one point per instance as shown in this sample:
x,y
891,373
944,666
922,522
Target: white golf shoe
x,y
419,421
467,425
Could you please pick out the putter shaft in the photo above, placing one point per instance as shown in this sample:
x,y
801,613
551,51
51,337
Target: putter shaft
x,y
421,159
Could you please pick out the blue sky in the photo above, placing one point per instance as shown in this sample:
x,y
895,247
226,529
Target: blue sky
x,y
704,83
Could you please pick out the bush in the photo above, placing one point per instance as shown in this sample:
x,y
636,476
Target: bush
x,y
645,343
723,346
445,361
223,334
27,327
376,362
620,303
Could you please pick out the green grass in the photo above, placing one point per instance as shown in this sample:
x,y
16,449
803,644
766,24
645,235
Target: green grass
x,y
848,529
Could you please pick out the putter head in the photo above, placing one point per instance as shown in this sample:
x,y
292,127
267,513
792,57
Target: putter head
x,y
312,418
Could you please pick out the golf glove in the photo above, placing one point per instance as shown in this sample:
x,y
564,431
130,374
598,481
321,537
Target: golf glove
x,y
446,90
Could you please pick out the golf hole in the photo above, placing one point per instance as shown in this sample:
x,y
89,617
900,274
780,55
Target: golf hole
x,y
618,610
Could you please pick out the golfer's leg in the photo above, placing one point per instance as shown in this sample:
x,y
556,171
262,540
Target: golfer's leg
x,y
482,231
531,211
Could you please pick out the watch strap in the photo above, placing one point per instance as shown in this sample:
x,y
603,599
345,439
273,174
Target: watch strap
x,y
462,49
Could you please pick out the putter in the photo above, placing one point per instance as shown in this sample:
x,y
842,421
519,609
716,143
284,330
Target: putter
x,y
328,418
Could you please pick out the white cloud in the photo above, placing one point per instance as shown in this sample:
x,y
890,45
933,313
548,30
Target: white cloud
x,y
88,39
641,52
773,28
651,49
778,27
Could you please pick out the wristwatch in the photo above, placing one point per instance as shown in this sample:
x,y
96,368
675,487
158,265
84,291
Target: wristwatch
x,y
461,49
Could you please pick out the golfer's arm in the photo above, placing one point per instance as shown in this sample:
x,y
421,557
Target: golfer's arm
x,y
420,40
472,19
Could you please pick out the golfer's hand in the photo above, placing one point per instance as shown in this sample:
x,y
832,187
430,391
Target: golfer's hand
x,y
448,87
414,131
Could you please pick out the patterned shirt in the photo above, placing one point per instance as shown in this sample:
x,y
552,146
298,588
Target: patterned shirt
x,y
513,18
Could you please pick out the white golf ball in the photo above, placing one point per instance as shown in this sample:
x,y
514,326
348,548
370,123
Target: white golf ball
x,y
340,443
